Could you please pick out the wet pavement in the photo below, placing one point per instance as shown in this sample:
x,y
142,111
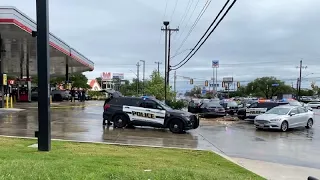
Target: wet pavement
x,y
299,147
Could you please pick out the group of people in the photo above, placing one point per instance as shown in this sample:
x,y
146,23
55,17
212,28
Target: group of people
x,y
81,94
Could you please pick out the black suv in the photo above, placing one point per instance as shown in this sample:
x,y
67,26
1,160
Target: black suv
x,y
124,111
257,108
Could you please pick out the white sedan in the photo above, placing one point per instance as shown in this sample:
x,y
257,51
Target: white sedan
x,y
314,105
285,117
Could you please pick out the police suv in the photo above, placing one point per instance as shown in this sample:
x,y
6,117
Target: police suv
x,y
144,111
257,108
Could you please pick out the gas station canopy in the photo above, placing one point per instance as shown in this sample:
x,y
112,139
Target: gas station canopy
x,y
20,47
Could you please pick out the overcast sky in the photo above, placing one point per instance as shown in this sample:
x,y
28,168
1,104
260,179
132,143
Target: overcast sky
x,y
257,38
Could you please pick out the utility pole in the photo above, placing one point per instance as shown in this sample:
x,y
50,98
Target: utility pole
x,y
300,78
138,68
169,52
158,66
175,82
165,23
143,76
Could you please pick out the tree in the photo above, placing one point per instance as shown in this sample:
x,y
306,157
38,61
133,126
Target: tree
x,y
155,87
262,87
195,91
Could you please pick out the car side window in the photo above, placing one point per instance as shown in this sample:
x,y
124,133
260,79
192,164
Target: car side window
x,y
254,105
302,110
150,104
295,111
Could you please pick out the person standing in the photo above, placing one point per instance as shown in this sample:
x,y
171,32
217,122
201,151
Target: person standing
x,y
73,94
83,95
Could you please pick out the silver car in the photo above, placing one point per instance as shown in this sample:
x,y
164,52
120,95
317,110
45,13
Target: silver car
x,y
285,117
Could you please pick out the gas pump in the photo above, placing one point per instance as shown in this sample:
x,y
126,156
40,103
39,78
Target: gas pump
x,y
24,90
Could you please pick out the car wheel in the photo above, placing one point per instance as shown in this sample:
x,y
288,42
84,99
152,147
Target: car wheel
x,y
318,107
309,124
120,121
284,126
242,117
176,126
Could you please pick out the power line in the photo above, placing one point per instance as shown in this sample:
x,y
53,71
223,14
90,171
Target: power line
x,y
183,63
164,15
203,10
185,12
174,9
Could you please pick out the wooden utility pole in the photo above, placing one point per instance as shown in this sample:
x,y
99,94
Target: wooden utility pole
x,y
138,81
300,78
158,63
167,54
175,82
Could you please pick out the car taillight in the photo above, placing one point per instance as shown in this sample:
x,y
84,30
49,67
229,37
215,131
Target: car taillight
x,y
106,106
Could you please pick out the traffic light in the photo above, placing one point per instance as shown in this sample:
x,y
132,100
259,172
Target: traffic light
x,y
206,83
238,84
191,81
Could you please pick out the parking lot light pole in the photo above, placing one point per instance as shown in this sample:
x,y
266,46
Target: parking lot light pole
x,y
43,63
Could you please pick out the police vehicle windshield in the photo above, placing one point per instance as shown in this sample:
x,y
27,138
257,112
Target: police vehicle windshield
x,y
279,111
166,107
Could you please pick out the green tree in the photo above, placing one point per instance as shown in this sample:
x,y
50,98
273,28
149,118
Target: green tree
x,y
155,87
195,91
262,87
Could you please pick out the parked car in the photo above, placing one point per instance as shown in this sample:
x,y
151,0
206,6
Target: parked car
x,y
230,106
284,117
212,109
142,111
193,106
315,105
257,108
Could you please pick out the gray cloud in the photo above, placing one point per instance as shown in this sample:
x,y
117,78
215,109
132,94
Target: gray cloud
x,y
257,38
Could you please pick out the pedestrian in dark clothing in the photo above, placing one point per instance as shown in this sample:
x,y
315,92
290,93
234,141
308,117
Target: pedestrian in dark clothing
x,y
83,93
73,94
79,95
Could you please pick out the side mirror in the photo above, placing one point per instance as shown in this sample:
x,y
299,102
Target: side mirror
x,y
292,114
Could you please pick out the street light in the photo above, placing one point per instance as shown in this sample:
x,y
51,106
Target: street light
x,y
143,76
182,52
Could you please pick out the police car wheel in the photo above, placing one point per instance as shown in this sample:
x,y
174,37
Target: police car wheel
x,y
176,126
120,121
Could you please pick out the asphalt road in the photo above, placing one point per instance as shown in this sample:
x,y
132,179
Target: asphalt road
x,y
299,147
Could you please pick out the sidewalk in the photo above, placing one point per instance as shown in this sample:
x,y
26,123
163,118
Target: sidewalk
x,y
275,171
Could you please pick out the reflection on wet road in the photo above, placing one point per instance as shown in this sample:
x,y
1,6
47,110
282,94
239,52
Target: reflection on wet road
x,y
297,147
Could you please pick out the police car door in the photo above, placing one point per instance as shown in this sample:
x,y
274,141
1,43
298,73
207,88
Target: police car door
x,y
255,109
157,112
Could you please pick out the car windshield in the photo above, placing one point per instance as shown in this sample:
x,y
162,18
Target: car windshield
x,y
164,105
279,111
213,104
295,103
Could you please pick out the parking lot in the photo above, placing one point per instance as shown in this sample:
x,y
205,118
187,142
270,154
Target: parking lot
x,y
297,147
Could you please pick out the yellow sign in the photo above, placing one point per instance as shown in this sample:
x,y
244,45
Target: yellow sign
x,y
5,80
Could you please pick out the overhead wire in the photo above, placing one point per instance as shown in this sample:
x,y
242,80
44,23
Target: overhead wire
x,y
186,59
203,10
164,15
174,9
185,12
